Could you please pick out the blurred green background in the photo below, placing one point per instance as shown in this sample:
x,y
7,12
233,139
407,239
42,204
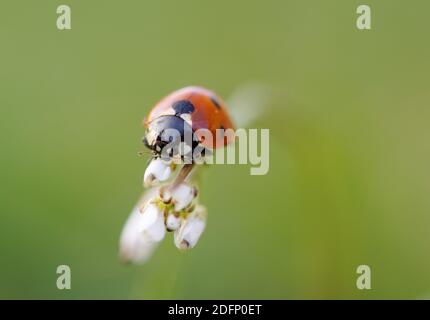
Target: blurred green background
x,y
349,153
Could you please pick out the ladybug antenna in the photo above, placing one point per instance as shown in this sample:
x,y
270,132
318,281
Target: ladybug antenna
x,y
143,152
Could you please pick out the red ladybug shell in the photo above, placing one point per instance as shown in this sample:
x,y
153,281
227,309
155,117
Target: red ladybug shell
x,y
206,111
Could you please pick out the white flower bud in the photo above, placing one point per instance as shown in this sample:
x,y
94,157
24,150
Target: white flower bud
x,y
156,171
183,195
165,194
188,234
173,222
133,246
152,223
140,232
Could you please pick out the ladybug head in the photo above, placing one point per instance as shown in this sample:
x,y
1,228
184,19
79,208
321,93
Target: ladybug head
x,y
170,137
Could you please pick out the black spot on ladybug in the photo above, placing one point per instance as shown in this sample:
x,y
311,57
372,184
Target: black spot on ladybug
x,y
215,102
182,106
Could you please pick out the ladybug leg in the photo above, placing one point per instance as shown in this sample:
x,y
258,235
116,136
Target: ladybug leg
x,y
182,175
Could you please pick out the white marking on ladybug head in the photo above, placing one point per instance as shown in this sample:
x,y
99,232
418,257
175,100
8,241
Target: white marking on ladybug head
x,y
151,137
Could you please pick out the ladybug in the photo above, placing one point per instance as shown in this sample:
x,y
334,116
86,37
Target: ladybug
x,y
187,110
